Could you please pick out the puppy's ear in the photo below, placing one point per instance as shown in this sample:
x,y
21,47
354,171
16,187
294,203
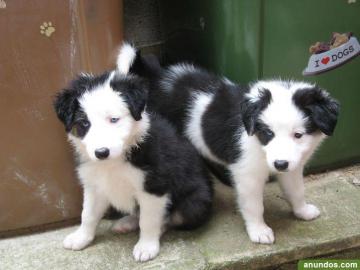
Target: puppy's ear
x,y
136,101
253,107
319,106
249,118
66,101
134,91
65,105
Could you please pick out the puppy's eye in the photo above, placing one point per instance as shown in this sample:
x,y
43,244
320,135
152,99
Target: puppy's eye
x,y
114,120
298,135
84,123
265,136
80,128
269,133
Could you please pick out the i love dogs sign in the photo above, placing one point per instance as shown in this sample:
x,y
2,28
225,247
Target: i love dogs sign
x,y
327,56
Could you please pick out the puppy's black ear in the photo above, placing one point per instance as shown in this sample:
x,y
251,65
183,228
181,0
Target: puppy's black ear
x,y
134,90
317,104
136,101
65,105
249,118
253,108
66,101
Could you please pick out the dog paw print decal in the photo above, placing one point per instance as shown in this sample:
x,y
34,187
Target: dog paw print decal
x,y
47,29
329,55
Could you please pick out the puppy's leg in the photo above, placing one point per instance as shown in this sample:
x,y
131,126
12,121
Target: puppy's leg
x,y
94,207
126,224
292,185
152,214
250,188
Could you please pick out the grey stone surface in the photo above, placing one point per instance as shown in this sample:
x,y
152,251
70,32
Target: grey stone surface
x,y
142,22
221,244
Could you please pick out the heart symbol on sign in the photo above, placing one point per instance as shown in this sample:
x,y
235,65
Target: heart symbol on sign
x,y
325,60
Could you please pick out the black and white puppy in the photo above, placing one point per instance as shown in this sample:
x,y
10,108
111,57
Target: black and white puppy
x,y
130,159
247,133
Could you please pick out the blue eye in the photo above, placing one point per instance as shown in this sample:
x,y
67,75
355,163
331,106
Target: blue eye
x,y
84,123
114,120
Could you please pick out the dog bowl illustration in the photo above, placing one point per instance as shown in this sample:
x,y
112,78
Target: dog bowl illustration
x,y
325,61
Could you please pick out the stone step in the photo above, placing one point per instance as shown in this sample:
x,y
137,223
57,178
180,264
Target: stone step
x,y
221,244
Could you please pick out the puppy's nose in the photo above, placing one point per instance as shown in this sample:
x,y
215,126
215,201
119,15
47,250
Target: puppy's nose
x,y
281,165
102,153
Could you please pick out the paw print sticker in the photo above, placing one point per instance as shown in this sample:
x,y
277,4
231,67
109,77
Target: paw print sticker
x,y
47,29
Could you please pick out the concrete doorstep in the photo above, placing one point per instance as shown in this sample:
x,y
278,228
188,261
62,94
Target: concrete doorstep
x,y
221,244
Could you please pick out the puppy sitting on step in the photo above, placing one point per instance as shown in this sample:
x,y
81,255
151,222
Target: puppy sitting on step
x,y
130,159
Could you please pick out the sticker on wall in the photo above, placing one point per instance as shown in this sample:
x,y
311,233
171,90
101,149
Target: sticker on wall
x,y
329,55
47,29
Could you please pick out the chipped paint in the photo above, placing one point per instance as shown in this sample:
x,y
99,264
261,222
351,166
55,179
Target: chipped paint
x,y
61,206
42,193
23,178
33,112
40,186
73,29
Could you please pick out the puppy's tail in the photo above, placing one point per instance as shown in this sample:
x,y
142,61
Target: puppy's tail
x,y
126,58
220,172
131,61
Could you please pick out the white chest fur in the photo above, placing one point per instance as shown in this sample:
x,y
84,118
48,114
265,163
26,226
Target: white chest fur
x,y
118,181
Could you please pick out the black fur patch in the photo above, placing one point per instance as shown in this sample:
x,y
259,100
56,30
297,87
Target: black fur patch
x,y
134,90
173,103
66,101
220,171
263,133
221,120
222,123
174,167
81,124
253,110
322,110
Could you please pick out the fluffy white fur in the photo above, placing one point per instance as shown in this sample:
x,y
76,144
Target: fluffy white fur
x,y
193,128
125,58
175,72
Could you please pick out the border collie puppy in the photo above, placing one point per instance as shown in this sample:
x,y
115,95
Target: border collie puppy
x,y
247,133
130,159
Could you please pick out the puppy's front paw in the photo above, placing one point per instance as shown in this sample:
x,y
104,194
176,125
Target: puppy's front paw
x,y
126,224
307,212
261,233
77,240
146,250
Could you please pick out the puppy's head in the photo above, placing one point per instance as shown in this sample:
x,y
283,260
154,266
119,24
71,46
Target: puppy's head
x,y
104,115
289,119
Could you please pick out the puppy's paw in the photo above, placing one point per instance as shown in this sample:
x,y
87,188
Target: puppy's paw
x,y
307,212
126,224
77,240
146,250
261,233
